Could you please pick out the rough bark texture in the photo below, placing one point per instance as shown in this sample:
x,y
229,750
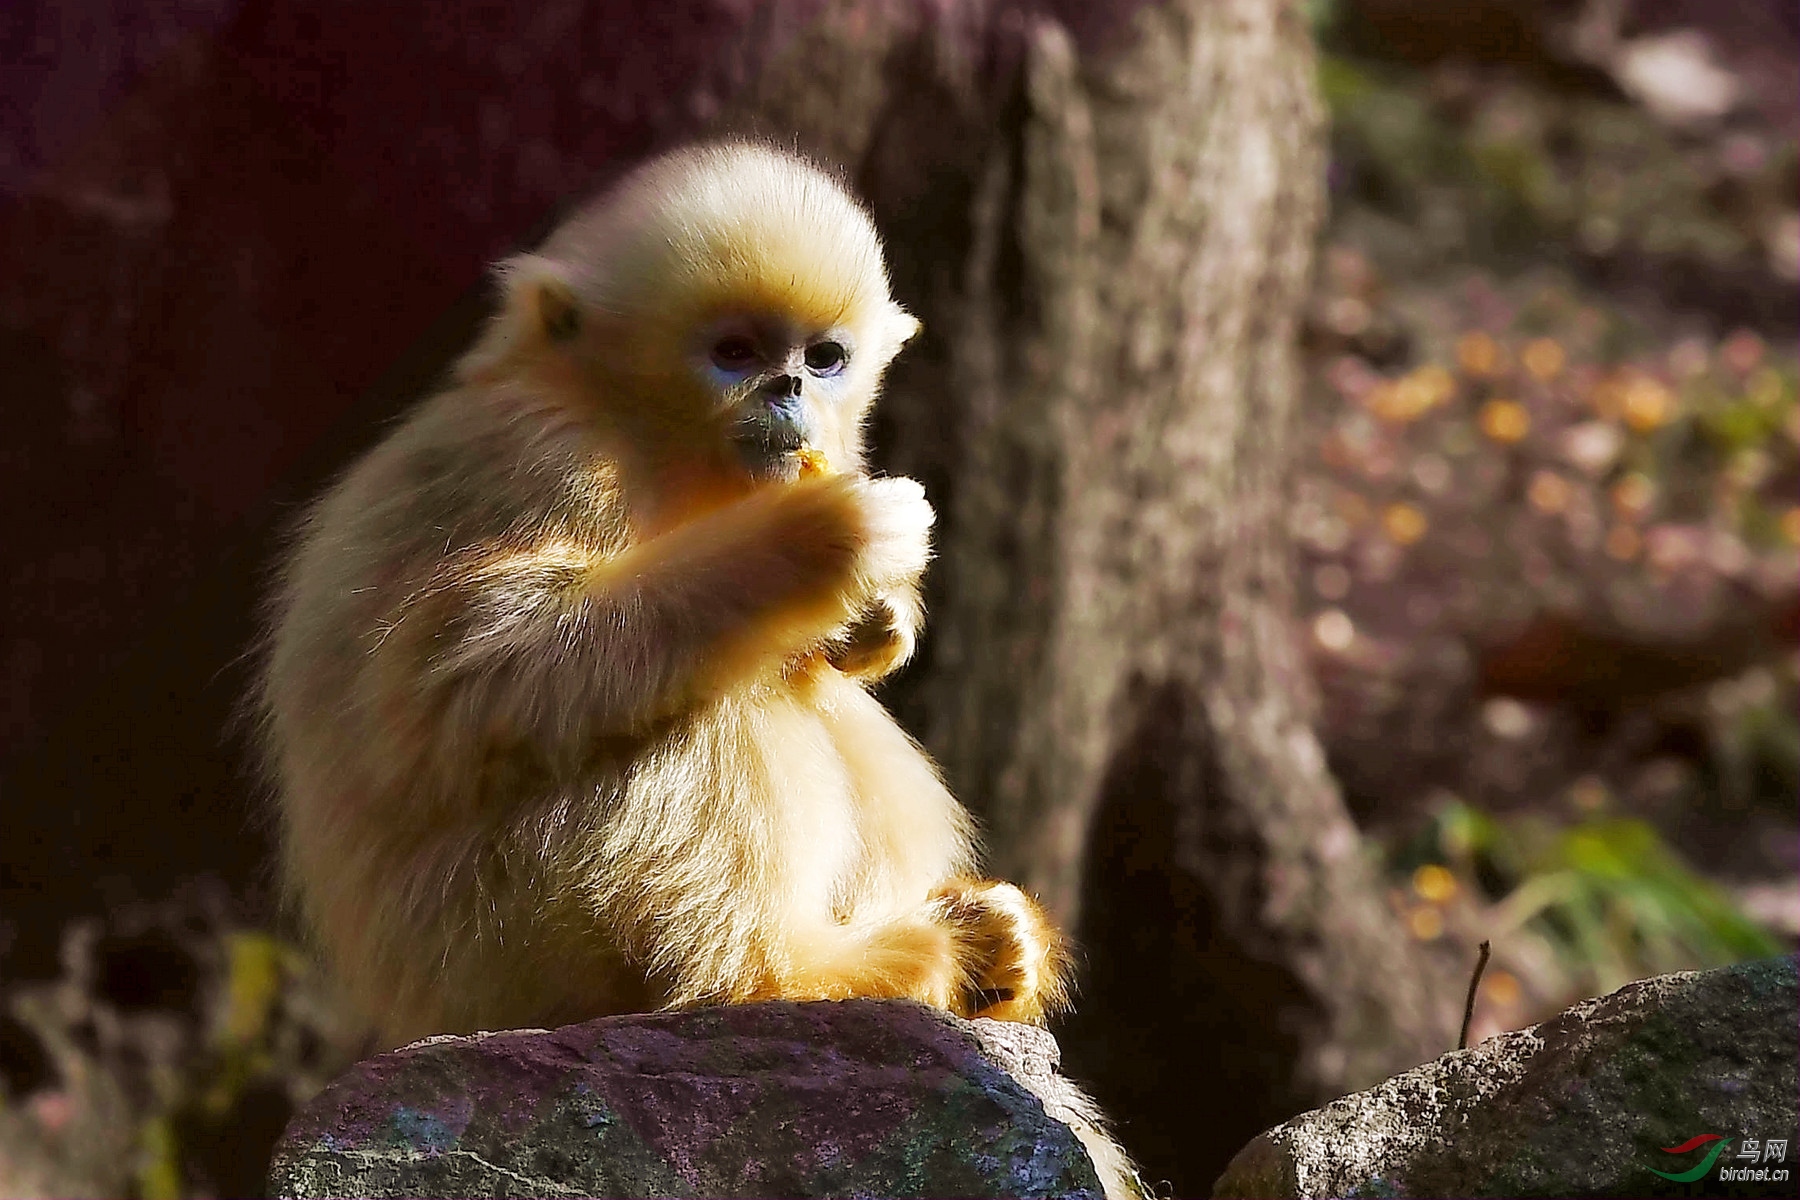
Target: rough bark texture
x,y
1108,236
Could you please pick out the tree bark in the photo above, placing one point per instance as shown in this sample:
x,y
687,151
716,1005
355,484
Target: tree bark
x,y
1108,237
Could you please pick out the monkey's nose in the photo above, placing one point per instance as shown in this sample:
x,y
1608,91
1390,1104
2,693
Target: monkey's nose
x,y
785,385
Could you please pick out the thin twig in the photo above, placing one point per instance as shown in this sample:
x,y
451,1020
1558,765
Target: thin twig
x,y
1462,1042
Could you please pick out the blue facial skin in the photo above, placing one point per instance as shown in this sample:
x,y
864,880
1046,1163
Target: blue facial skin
x,y
771,419
782,377
779,422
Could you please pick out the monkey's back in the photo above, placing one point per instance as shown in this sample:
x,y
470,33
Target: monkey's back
x,y
394,811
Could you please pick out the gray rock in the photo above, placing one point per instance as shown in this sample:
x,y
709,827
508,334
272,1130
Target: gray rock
x,y
1582,1105
860,1098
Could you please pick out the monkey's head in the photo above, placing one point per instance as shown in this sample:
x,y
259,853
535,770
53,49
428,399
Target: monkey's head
x,y
728,300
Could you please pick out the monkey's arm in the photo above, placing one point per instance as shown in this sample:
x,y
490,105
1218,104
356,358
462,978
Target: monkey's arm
x,y
547,639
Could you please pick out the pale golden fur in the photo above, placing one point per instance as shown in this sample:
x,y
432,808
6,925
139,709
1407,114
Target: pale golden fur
x,y
567,709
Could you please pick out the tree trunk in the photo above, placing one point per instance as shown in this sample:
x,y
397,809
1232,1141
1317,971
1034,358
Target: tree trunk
x,y
1109,247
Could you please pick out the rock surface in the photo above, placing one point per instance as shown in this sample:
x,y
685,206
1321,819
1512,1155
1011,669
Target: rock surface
x,y
860,1098
1582,1105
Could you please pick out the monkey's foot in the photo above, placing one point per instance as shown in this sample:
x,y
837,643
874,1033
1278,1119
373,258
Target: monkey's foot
x,y
1017,962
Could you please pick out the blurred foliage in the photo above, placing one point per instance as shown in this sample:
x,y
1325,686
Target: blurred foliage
x,y
1543,453
1615,476
1754,740
166,1059
1493,168
1320,15
1609,895
1550,519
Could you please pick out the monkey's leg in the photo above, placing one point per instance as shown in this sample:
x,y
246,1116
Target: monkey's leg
x,y
921,842
1002,933
913,958
975,948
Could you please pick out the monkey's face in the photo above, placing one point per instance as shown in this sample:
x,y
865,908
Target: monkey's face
x,y
777,385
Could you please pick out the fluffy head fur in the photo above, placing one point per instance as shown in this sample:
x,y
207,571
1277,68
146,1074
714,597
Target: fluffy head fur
x,y
729,226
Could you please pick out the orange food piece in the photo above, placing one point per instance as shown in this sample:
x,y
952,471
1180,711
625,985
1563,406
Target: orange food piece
x,y
812,462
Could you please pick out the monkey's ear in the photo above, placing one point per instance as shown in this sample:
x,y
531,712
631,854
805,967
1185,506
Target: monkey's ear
x,y
902,328
558,310
538,307
537,289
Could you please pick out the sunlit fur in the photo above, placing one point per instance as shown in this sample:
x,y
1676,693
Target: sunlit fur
x,y
567,709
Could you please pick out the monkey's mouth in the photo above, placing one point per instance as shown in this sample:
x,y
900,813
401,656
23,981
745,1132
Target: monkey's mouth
x,y
766,443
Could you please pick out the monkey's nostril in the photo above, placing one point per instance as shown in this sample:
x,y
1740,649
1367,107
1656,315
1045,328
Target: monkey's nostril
x,y
782,389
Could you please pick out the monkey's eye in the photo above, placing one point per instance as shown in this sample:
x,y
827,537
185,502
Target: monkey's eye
x,y
826,358
733,353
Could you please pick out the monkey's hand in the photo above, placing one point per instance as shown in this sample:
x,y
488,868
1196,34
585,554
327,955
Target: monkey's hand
x,y
1016,961
893,520
880,641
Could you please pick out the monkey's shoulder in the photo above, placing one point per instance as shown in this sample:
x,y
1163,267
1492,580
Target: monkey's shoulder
x,y
471,468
